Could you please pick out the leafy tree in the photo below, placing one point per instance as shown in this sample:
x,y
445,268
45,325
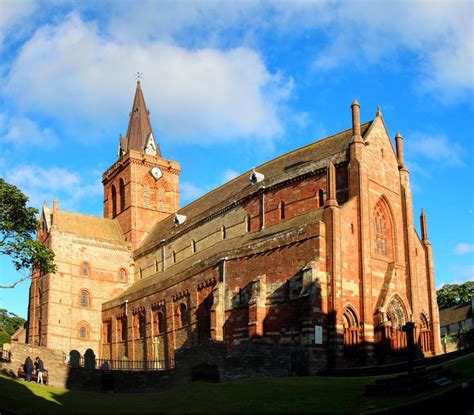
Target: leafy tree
x,y
9,323
18,225
453,294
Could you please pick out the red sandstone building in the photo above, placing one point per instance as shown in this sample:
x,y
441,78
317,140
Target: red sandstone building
x,y
316,248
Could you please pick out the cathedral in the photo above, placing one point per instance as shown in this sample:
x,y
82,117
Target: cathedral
x,y
316,249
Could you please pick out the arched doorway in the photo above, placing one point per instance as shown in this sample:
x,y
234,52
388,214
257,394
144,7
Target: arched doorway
x,y
425,335
396,317
351,333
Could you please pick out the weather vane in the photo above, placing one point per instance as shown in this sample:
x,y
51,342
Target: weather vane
x,y
138,76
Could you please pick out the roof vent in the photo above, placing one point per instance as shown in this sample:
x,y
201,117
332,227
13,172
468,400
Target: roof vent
x,y
256,177
179,219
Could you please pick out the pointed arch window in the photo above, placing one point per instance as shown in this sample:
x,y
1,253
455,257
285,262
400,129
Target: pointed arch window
x,y
122,195
382,229
114,202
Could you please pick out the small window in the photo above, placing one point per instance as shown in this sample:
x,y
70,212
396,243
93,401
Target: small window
x,y
83,333
193,246
123,328
85,299
85,269
160,323
183,315
247,223
174,257
282,210
140,326
223,232
140,273
156,265
122,275
321,198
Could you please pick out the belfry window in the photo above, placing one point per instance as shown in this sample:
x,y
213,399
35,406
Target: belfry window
x,y
122,195
114,202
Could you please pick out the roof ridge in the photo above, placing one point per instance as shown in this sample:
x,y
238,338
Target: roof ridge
x,y
271,161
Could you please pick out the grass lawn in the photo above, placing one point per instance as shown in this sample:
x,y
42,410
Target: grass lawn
x,y
288,395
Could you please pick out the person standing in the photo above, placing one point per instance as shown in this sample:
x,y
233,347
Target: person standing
x,y
39,370
28,366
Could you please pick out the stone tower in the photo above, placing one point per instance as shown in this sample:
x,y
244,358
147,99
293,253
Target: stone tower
x,y
141,187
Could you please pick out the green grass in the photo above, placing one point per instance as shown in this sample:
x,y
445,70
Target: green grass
x,y
289,395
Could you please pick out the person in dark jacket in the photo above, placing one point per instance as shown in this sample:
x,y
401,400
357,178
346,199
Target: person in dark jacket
x,y
28,366
39,369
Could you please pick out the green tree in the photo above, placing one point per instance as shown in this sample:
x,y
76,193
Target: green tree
x,y
9,323
453,294
18,225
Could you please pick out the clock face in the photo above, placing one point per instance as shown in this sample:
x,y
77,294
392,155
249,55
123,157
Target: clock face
x,y
156,173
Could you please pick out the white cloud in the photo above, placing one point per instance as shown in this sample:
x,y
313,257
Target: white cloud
x,y
190,192
229,174
439,34
81,74
463,248
22,132
436,147
45,184
13,15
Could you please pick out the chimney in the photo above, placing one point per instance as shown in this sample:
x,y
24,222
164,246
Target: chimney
x,y
399,145
424,226
331,185
355,119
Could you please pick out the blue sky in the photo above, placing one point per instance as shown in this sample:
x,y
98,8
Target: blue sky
x,y
231,85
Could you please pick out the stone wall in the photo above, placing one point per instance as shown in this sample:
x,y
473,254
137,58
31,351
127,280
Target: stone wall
x,y
53,362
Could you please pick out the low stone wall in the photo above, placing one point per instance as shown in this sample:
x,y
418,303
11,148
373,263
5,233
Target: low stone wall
x,y
209,362
53,361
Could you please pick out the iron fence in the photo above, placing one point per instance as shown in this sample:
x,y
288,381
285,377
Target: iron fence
x,y
126,364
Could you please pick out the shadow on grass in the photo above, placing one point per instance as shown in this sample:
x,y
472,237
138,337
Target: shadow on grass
x,y
19,396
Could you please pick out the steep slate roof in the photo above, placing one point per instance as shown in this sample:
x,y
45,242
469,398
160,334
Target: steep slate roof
x,y
251,243
139,125
89,226
334,147
454,314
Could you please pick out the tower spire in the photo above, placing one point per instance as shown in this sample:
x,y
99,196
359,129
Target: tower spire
x,y
140,135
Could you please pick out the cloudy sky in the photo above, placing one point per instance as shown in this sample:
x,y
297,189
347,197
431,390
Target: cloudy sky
x,y
231,85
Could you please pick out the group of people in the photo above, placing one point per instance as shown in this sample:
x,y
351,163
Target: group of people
x,y
38,365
